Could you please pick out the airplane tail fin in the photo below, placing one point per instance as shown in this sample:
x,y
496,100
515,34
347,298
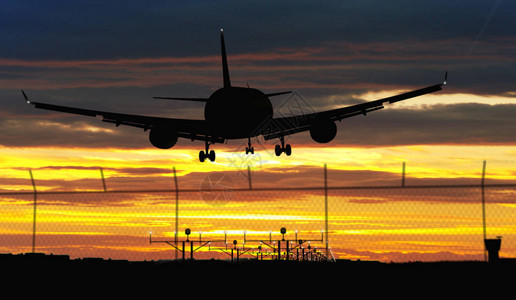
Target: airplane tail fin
x,y
225,71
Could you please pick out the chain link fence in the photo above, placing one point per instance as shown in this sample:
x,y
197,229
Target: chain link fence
x,y
386,223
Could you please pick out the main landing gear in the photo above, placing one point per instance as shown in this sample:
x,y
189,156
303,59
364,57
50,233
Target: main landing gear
x,y
210,154
283,148
203,155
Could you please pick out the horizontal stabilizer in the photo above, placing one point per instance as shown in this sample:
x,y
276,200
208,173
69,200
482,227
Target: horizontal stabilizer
x,y
277,94
186,99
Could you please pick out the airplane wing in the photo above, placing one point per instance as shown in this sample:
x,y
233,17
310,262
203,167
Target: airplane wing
x,y
190,129
279,127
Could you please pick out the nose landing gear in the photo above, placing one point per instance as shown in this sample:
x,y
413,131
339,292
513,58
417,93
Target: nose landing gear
x,y
210,155
249,148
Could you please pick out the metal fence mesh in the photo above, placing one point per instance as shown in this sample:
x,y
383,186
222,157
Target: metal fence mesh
x,y
385,223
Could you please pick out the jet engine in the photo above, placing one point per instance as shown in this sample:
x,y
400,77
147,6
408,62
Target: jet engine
x,y
162,138
323,130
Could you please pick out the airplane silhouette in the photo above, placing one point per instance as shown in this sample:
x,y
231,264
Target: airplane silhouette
x,y
238,113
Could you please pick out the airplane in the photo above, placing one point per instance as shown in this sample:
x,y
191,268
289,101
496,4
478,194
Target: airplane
x,y
238,113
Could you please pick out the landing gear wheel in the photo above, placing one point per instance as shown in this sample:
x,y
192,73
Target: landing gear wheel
x,y
288,150
278,150
203,155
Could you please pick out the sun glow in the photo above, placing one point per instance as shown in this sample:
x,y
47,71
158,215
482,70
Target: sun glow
x,y
393,225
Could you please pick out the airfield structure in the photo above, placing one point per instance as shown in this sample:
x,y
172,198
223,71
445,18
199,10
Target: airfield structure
x,y
295,249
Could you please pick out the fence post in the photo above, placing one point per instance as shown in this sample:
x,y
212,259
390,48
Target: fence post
x,y
34,212
103,180
482,190
403,175
249,177
177,210
326,207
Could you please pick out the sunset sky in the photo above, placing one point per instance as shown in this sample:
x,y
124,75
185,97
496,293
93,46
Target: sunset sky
x,y
116,56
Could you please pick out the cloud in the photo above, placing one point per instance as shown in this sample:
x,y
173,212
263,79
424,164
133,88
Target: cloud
x,y
353,50
333,67
132,28
327,47
457,124
60,133
437,124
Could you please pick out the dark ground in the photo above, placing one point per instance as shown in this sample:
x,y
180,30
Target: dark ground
x,y
60,275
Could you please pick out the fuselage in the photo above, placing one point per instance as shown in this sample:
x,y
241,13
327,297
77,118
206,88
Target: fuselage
x,y
237,112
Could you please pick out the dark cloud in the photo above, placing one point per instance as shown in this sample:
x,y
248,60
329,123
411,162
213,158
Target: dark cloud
x,y
116,56
86,29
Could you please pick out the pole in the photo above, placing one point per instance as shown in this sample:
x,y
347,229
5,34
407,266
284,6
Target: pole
x,y
403,175
484,205
288,251
177,210
103,180
326,206
279,250
249,177
191,250
34,212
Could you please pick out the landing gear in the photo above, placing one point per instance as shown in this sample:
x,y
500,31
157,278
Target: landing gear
x,y
249,148
288,150
203,156
210,155
283,148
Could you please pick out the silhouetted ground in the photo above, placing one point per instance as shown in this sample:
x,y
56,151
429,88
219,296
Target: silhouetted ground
x,y
210,277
